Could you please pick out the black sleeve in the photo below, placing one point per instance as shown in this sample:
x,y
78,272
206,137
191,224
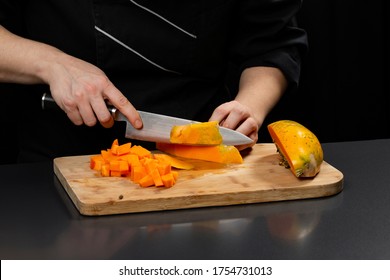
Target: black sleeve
x,y
265,34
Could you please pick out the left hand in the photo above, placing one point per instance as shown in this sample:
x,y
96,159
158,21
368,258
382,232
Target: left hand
x,y
259,90
236,116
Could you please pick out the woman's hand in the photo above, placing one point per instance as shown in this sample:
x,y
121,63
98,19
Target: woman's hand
x,y
236,116
260,89
81,90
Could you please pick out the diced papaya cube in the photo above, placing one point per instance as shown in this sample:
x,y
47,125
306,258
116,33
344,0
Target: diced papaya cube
x,y
123,149
96,162
131,159
107,155
156,178
175,174
115,143
114,165
150,165
140,151
120,166
163,168
123,165
146,181
114,147
114,173
123,157
114,150
137,173
105,171
168,180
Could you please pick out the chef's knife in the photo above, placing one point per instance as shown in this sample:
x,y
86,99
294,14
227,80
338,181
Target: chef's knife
x,y
156,127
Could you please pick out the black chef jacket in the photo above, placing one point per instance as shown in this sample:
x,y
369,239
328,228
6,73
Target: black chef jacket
x,y
168,56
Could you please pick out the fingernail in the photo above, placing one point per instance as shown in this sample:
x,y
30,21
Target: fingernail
x,y
138,124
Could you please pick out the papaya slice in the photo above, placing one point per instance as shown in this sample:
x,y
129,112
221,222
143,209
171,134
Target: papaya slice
x,y
299,148
174,162
219,153
205,133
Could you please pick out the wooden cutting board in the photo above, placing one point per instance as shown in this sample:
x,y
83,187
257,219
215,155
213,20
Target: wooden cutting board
x,y
259,179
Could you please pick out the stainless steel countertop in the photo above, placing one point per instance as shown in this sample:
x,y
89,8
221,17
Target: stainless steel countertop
x,y
39,221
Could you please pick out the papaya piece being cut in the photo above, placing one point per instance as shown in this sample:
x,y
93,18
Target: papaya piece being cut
x,y
299,148
204,133
219,153
174,162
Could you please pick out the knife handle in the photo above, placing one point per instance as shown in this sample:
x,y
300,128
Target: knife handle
x,y
48,103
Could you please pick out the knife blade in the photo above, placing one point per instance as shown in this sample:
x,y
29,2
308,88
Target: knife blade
x,y
157,127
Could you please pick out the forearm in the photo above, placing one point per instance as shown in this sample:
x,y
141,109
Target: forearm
x,y
260,89
24,61
77,86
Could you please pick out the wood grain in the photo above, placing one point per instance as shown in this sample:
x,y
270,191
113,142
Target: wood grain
x,y
259,179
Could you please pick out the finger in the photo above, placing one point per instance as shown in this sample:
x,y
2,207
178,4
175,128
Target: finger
x,y
107,124
221,112
87,114
236,117
230,114
119,101
248,127
75,117
71,110
101,111
77,108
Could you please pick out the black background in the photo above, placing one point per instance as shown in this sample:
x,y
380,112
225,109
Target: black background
x,y
345,83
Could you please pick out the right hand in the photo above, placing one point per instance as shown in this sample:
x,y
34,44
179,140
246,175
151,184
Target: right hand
x,y
82,89
78,87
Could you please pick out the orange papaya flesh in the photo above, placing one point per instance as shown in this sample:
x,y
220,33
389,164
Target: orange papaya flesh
x,y
146,181
205,133
174,162
300,149
219,153
96,162
138,164
168,180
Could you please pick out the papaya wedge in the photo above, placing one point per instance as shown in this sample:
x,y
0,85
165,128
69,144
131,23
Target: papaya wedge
x,y
300,149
